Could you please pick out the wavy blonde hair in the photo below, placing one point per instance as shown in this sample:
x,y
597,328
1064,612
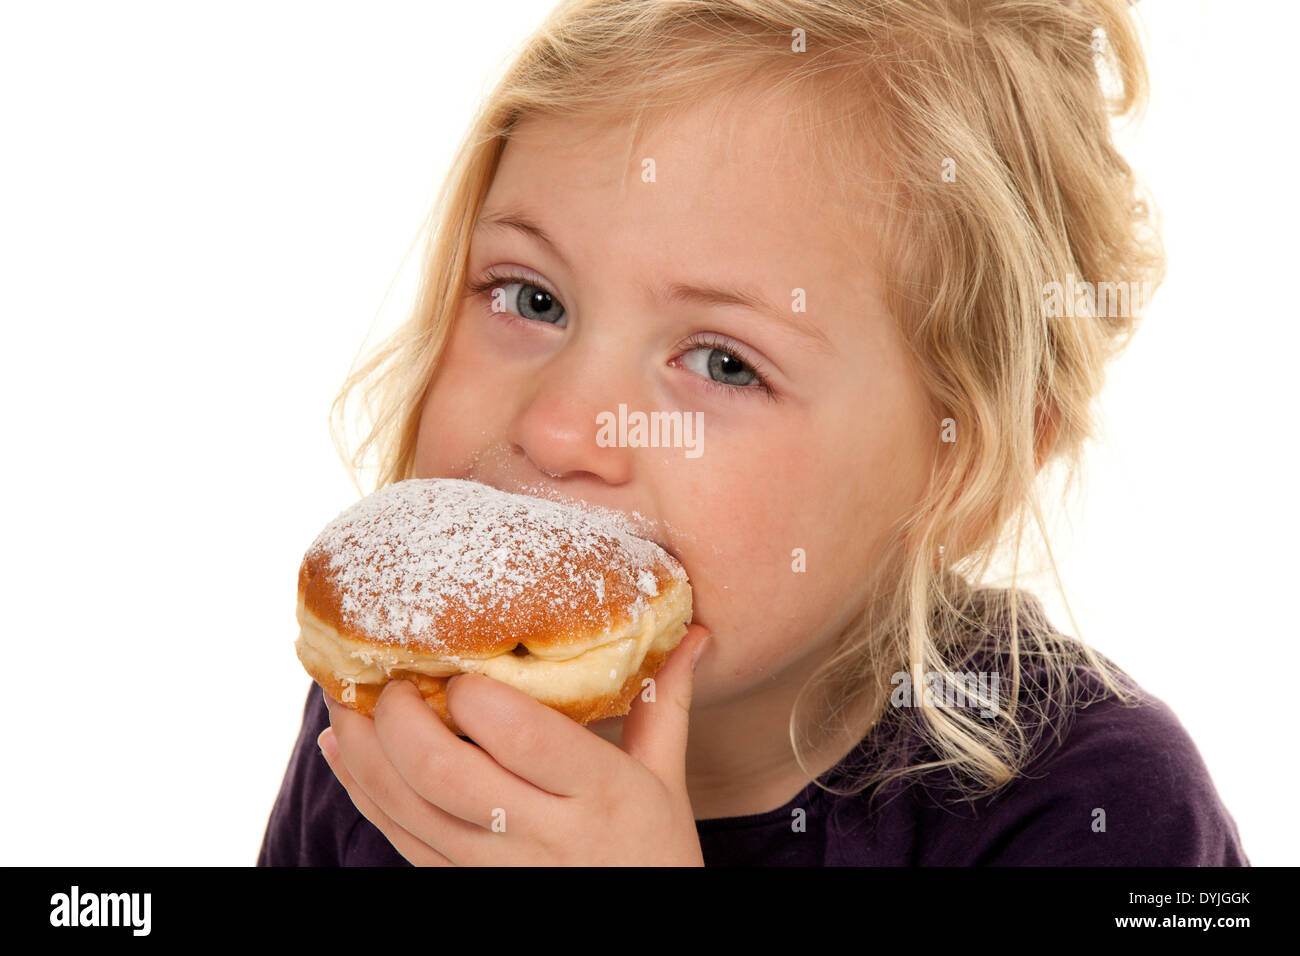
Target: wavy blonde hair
x,y
975,137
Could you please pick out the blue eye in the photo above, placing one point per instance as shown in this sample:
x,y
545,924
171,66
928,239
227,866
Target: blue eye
x,y
719,366
522,296
722,367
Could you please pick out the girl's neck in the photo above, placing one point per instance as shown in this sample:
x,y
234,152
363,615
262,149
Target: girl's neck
x,y
739,758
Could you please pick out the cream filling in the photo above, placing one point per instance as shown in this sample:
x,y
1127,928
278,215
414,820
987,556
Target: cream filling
x,y
593,671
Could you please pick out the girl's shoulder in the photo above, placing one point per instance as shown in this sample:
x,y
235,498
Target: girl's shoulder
x,y
1124,785
1109,782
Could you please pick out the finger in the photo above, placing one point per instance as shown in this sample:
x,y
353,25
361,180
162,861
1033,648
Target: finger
x,y
414,850
362,756
539,745
447,772
655,731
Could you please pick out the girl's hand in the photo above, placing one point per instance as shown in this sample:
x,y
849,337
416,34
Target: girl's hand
x,y
542,791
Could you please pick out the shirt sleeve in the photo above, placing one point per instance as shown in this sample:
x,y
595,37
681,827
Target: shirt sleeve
x,y
1127,787
313,817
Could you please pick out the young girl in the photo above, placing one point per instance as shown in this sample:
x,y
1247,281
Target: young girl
x,y
841,232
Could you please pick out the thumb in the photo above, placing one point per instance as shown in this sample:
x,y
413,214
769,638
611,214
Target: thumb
x,y
655,731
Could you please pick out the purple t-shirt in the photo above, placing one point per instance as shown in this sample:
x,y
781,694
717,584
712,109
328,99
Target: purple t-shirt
x,y
1122,786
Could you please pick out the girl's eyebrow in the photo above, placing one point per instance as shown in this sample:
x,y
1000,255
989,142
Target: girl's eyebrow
x,y
745,299
521,223
678,291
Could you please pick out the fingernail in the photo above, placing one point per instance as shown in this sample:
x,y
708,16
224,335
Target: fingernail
x,y
699,649
327,744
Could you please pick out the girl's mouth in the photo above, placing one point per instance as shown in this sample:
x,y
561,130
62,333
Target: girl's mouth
x,y
633,521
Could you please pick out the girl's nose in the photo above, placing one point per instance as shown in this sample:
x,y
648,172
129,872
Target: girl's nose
x,y
556,425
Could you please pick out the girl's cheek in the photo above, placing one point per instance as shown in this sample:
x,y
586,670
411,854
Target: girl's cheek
x,y
766,585
738,597
496,337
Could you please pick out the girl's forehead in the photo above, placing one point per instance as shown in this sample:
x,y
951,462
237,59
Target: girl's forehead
x,y
716,144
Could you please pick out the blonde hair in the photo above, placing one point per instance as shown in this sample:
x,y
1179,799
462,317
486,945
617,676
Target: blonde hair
x,y
978,136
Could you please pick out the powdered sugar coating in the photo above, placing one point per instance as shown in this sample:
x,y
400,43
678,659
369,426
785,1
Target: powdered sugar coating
x,y
449,565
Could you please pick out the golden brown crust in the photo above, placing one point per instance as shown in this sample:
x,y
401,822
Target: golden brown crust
x,y
564,607
538,620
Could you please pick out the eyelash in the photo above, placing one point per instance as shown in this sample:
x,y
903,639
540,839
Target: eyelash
x,y
492,279
708,340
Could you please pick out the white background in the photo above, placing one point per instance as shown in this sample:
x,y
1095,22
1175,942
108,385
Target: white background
x,y
206,208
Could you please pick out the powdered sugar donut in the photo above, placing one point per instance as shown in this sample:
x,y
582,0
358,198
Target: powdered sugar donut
x,y
428,578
